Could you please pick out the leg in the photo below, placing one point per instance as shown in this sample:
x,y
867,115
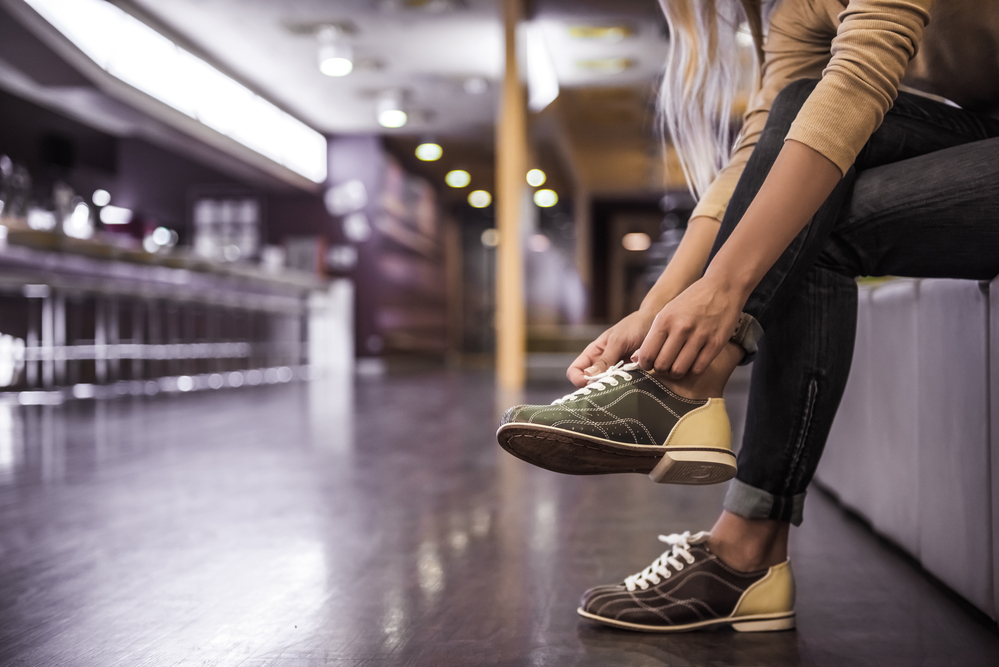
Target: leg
x,y
929,216
914,126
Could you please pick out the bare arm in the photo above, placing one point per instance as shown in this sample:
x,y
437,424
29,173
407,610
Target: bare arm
x,y
690,331
624,338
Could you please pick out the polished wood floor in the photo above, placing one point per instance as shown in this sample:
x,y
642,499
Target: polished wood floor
x,y
376,523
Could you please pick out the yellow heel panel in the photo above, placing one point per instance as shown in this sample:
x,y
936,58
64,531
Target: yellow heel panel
x,y
772,594
707,426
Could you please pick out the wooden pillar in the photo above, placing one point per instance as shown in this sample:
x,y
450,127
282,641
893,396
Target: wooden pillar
x,y
511,167
581,203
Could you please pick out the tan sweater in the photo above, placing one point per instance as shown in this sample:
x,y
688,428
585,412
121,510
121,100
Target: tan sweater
x,y
863,51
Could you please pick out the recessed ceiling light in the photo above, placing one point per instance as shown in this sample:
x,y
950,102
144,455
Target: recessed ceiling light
x,y
490,238
536,177
458,178
429,151
636,241
606,33
101,198
605,65
545,198
479,198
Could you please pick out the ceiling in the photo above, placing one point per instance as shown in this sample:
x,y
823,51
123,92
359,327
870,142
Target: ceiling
x,y
602,122
427,48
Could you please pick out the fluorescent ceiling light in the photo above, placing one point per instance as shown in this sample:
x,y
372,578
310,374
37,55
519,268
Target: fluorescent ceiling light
x,y
604,33
542,81
136,54
605,65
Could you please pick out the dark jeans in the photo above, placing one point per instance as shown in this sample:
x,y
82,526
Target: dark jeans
x,y
922,200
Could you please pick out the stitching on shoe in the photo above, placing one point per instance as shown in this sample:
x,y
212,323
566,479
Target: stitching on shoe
x,y
682,399
625,420
647,393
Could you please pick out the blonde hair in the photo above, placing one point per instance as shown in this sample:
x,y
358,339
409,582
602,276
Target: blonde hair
x,y
703,75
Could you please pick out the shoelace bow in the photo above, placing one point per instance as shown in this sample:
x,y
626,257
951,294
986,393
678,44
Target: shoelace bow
x,y
660,566
600,381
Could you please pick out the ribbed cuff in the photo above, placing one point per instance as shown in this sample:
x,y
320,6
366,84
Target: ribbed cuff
x,y
747,336
750,502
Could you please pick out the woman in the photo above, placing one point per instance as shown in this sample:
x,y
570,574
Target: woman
x,y
836,174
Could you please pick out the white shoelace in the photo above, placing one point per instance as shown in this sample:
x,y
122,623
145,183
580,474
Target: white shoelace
x,y
660,566
600,381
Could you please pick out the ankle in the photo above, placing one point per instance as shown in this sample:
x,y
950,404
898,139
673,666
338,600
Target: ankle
x,y
745,558
749,545
711,383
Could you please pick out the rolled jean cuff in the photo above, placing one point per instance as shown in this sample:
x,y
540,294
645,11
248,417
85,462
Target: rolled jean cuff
x,y
750,502
747,336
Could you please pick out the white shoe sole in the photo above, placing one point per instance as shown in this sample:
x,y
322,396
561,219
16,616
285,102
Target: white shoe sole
x,y
755,623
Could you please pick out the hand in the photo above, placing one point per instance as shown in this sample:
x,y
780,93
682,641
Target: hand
x,y
610,347
690,331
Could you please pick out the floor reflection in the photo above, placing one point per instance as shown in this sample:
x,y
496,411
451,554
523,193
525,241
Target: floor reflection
x,y
375,521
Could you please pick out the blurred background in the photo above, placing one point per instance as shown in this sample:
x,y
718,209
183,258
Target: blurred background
x,y
270,270
234,192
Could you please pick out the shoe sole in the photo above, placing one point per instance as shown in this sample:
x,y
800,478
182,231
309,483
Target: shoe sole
x,y
574,453
755,623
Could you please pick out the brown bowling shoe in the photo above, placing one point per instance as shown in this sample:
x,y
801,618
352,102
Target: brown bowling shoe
x,y
688,588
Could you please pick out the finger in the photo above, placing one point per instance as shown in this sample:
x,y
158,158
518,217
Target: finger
x,y
653,342
686,357
668,352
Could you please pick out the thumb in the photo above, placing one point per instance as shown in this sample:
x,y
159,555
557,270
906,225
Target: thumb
x,y
599,366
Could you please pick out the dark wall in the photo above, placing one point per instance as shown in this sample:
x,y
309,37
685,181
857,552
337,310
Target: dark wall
x,y
154,182
25,128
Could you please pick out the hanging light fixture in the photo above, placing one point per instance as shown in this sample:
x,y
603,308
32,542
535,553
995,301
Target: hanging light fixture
x,y
336,58
390,112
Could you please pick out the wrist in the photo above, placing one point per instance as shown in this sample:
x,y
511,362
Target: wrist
x,y
652,304
737,282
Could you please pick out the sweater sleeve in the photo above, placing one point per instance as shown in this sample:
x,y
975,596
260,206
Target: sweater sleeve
x,y
873,45
797,47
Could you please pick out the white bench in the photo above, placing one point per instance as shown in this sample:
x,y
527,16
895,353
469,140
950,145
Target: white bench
x,y
915,445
